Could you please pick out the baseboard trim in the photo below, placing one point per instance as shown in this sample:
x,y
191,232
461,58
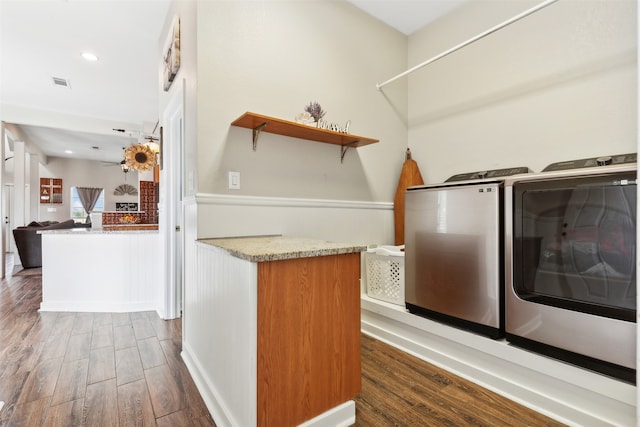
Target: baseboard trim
x,y
342,415
99,307
207,391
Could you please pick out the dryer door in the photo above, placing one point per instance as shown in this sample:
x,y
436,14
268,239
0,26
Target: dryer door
x,y
575,244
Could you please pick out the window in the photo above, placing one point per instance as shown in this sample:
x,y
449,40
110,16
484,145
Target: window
x,y
77,211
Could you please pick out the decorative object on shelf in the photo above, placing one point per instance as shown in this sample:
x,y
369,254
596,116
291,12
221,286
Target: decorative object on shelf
x,y
171,58
125,189
334,126
313,114
129,219
259,123
315,110
305,119
140,157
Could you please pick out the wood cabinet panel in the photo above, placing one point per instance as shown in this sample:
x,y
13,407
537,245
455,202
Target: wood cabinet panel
x,y
308,337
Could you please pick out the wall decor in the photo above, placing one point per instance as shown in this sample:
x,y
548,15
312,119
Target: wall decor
x,y
124,189
140,157
171,57
161,152
126,207
50,190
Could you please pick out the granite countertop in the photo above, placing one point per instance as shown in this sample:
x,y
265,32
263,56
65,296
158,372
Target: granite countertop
x,y
277,248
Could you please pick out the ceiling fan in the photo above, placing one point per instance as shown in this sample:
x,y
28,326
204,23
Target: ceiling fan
x,y
122,164
140,134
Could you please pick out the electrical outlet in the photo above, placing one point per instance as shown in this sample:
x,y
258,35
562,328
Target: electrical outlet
x,y
234,180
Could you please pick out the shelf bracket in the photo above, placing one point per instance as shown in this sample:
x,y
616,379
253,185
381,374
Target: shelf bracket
x,y
256,134
344,148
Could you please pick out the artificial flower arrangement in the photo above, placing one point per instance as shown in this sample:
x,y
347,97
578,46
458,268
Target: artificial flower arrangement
x,y
315,110
313,114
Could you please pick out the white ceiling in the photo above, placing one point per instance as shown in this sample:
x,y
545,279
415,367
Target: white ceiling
x,y
407,16
42,39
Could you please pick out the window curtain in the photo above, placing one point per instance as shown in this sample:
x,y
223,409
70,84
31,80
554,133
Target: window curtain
x,y
88,197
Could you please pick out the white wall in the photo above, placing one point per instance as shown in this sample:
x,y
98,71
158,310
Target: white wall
x,y
275,57
84,173
186,11
557,85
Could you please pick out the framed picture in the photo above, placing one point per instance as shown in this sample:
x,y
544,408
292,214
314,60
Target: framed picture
x,y
171,57
51,190
161,152
126,207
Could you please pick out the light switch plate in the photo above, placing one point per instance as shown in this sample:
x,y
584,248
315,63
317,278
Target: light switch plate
x,y
234,180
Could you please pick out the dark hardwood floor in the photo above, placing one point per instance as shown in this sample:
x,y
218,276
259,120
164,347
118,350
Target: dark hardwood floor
x,y
402,390
124,369
90,369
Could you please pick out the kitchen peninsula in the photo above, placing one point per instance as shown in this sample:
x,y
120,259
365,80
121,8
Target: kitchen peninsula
x,y
272,330
101,270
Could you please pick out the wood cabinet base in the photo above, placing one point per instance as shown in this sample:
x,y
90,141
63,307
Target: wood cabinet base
x,y
308,337
274,343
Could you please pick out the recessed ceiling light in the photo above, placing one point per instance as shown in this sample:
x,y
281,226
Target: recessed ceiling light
x,y
68,151
89,56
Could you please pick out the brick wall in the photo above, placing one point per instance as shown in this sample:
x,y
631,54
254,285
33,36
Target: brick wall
x,y
148,207
149,202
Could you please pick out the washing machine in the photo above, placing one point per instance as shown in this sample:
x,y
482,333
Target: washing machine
x,y
454,250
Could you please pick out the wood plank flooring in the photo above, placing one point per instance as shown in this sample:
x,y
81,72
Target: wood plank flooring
x,y
124,369
90,369
402,390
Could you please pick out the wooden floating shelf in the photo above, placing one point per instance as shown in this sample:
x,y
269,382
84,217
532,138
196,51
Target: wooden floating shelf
x,y
259,123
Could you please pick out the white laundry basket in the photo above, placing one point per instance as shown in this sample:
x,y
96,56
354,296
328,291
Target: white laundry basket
x,y
384,273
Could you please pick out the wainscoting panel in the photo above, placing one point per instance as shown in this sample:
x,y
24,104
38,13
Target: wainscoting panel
x,y
210,319
368,223
101,271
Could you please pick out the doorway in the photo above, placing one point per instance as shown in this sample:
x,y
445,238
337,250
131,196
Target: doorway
x,y
8,258
170,205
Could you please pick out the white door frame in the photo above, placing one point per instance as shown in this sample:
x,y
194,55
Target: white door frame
x,y
170,206
4,195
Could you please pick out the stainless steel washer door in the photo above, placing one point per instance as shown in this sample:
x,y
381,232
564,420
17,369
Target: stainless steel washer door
x,y
453,251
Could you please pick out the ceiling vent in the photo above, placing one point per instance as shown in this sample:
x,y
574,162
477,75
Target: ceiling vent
x,y
58,81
